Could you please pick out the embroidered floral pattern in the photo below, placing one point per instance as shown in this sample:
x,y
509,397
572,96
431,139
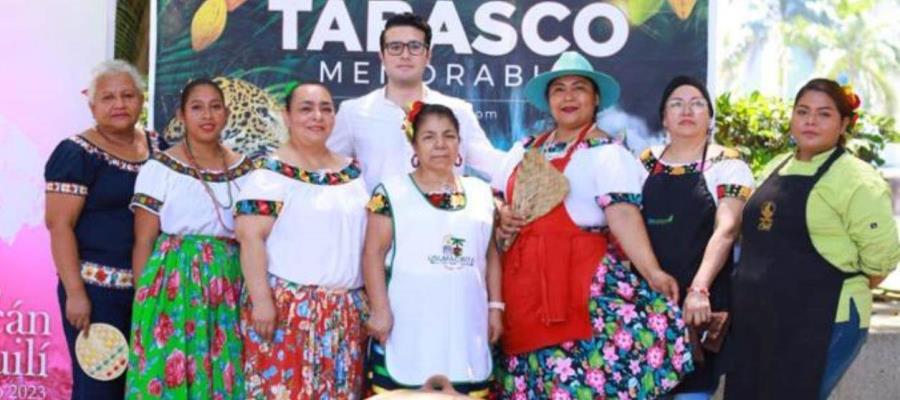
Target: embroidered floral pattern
x,y
639,349
447,201
243,168
317,348
258,207
147,202
347,174
105,276
738,191
657,167
67,188
559,147
614,198
379,204
654,166
113,160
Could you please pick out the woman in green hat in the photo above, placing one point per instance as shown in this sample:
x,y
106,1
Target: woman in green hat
x,y
579,323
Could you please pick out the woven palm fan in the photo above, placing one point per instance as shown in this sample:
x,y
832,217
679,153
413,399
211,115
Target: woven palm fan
x,y
539,188
104,354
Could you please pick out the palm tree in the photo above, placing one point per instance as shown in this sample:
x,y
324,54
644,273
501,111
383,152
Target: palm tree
x,y
864,50
852,39
132,41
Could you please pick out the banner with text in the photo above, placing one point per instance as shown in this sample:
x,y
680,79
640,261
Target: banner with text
x,y
483,51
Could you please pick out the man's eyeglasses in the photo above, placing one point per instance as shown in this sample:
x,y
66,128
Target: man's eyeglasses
x,y
416,48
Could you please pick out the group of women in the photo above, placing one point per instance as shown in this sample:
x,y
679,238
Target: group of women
x,y
282,277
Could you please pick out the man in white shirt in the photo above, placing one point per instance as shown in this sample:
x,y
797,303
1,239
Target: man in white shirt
x,y
369,128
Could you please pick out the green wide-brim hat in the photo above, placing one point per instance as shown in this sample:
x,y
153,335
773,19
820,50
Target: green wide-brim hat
x,y
571,63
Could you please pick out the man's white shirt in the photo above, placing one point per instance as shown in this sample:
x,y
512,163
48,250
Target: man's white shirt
x,y
370,128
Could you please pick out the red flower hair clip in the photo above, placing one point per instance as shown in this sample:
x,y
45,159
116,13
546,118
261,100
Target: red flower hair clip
x,y
412,110
854,101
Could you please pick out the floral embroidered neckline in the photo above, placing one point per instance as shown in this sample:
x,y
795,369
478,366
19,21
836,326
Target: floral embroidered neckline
x,y
655,166
323,177
559,147
450,201
446,201
241,168
109,158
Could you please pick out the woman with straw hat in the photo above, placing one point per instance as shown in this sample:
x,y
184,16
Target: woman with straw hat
x,y
579,323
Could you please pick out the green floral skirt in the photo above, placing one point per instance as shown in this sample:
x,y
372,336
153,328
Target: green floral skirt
x,y
185,337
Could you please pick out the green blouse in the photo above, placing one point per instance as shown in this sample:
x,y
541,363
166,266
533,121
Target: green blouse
x,y
850,219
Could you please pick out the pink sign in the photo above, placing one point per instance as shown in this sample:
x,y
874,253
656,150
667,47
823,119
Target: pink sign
x,y
49,48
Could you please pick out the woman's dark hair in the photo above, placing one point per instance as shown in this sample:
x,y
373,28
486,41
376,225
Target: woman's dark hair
x,y
195,83
833,90
436,110
297,85
678,82
407,19
593,85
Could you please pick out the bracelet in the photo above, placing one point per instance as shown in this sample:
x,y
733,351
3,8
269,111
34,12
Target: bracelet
x,y
699,290
497,305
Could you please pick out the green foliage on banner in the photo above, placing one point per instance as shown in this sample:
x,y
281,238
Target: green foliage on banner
x,y
145,111
758,127
639,11
132,32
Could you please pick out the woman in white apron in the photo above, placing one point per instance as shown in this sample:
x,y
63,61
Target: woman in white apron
x,y
431,270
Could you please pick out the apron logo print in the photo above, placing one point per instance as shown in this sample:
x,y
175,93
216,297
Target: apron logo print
x,y
661,221
452,254
767,216
453,246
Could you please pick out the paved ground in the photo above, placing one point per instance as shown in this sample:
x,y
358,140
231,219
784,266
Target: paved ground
x,y
886,317
875,374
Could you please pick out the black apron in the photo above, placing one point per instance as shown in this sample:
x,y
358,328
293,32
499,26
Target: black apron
x,y
680,214
785,296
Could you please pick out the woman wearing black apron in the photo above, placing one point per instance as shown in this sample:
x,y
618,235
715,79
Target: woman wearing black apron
x,y
692,203
817,232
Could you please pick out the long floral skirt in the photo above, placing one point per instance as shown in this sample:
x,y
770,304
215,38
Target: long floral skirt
x,y
317,349
640,347
185,341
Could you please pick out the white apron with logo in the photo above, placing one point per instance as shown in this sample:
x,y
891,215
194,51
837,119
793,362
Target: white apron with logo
x,y
436,287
